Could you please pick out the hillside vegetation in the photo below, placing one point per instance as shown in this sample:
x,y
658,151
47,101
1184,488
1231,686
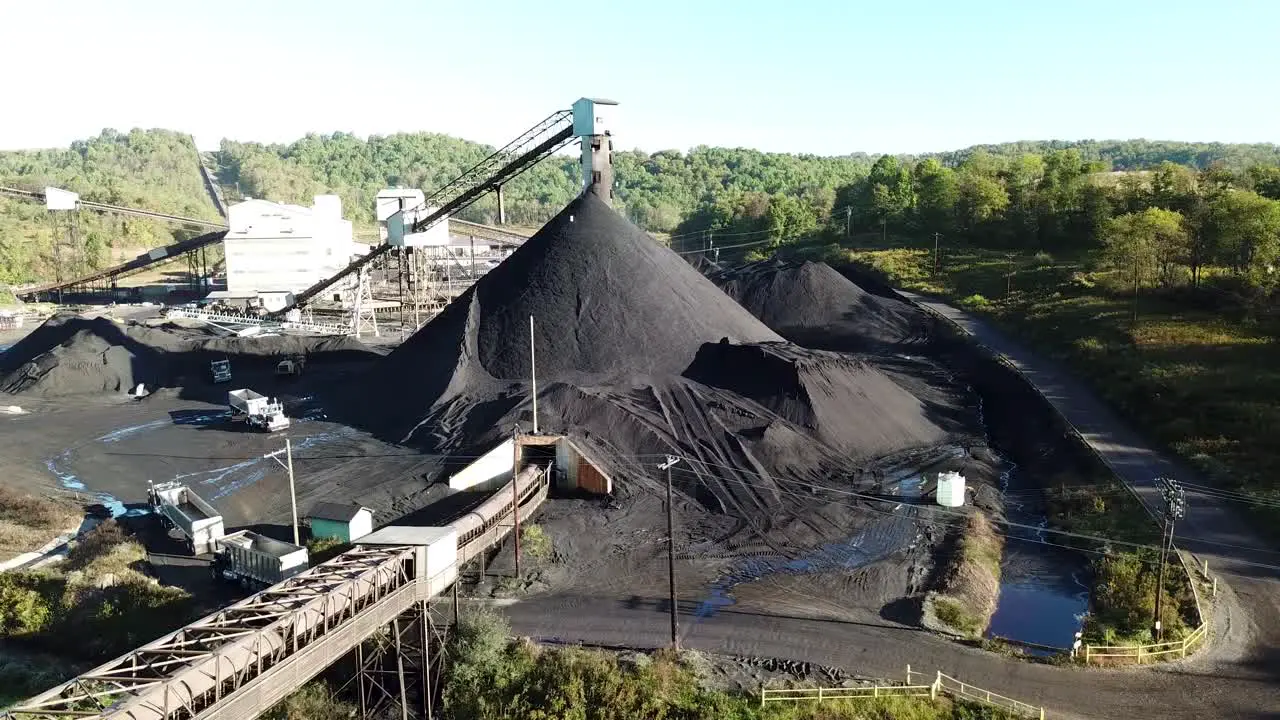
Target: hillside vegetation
x,y
707,196
149,169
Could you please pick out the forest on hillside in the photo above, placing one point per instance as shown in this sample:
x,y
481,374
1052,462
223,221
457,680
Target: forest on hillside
x,y
149,169
1047,195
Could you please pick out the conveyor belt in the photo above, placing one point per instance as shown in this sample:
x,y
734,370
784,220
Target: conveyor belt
x,y
519,155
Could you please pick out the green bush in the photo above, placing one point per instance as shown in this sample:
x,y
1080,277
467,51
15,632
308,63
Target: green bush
x,y
313,701
325,548
23,610
975,302
535,543
1124,599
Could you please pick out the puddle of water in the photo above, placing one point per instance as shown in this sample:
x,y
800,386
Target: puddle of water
x,y
1043,590
880,539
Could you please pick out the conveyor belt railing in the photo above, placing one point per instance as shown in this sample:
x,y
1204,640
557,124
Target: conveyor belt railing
x,y
118,209
536,143
239,661
129,267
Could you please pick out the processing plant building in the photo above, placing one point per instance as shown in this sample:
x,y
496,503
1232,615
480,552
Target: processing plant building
x,y
276,249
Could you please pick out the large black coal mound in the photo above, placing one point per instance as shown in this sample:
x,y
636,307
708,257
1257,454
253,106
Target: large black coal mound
x,y
811,304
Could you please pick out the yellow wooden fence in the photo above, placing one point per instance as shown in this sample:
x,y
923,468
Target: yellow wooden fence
x,y
942,684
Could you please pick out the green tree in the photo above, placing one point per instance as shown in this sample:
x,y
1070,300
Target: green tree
x,y
1146,246
1265,180
981,199
937,191
1244,229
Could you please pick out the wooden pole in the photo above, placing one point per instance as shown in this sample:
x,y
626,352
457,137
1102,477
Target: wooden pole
x,y
515,495
293,495
533,370
671,567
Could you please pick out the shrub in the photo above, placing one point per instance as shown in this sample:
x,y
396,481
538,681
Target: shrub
x,y
976,302
535,542
326,548
313,701
23,610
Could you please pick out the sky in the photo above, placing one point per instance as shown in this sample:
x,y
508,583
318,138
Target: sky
x,y
828,77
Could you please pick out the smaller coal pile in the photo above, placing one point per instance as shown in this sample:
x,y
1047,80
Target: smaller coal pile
x,y
72,355
811,304
841,399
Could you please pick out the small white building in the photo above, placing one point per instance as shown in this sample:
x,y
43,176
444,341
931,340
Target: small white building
x,y
392,200
275,248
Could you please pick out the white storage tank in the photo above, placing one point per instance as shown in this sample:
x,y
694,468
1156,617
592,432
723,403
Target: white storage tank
x,y
950,489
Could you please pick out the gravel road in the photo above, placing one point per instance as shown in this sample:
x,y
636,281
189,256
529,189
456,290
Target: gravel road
x,y
1238,676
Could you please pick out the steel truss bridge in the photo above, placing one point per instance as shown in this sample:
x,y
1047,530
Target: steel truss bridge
x,y
241,660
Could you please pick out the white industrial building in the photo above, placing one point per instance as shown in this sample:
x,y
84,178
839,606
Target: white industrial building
x,y
276,249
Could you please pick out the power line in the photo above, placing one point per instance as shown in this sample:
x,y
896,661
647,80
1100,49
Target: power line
x,y
1007,523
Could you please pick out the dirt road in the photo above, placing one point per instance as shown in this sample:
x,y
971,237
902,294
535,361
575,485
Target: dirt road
x,y
1238,676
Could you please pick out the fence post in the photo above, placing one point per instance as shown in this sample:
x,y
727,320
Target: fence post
x,y
1215,587
1086,654
1042,713
933,689
1139,654
819,693
908,673
761,695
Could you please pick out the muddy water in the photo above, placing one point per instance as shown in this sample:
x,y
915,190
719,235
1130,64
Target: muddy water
x,y
1044,589
896,530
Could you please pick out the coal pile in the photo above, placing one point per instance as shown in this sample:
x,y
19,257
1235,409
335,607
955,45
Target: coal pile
x,y
843,400
811,304
638,354
72,355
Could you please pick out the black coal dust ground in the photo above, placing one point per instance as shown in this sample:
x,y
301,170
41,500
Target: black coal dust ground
x,y
638,356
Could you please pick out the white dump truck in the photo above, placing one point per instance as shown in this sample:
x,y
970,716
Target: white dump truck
x,y
179,507
256,560
221,370
257,410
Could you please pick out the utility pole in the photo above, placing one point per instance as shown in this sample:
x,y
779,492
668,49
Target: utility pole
x,y
293,496
671,553
935,253
533,371
1175,506
848,221
515,494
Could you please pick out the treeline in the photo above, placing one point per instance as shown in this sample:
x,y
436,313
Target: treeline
x,y
1164,226
1046,195
149,169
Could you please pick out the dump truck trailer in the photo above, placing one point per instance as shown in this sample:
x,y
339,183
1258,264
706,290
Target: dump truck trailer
x,y
257,410
255,560
178,506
